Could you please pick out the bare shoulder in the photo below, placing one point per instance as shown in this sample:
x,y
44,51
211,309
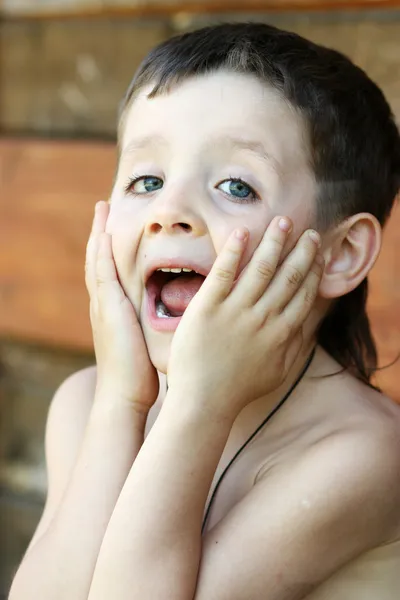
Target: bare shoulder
x,y
368,441
345,454
68,415
373,416
67,419
66,422
75,393
356,460
364,457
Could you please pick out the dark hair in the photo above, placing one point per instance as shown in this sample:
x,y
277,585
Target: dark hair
x,y
354,141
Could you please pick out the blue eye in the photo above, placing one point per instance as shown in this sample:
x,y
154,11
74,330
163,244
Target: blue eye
x,y
144,184
237,188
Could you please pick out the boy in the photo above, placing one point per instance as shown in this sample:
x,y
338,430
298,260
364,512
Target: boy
x,y
195,491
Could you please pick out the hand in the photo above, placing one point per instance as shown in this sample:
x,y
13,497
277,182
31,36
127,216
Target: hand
x,y
123,364
238,339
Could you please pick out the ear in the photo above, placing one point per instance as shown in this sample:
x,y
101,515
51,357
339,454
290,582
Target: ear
x,y
350,251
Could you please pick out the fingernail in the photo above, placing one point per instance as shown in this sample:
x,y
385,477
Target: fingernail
x,y
315,237
284,225
241,234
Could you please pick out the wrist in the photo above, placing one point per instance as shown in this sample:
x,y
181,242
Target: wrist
x,y
197,406
111,402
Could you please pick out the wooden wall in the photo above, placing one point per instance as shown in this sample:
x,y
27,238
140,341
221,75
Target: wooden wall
x,y
64,78
60,84
78,8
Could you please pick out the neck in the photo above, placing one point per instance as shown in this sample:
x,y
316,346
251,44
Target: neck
x,y
253,414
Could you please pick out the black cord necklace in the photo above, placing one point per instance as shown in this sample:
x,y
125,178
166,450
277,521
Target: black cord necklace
x,y
269,416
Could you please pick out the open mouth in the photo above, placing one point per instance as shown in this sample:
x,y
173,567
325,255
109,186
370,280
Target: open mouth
x,y
171,290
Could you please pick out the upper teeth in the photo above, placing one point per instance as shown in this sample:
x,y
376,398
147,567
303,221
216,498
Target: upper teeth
x,y
174,270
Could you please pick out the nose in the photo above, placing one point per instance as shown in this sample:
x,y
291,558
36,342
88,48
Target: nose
x,y
174,219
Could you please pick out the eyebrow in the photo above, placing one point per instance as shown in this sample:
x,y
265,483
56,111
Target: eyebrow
x,y
144,142
253,146
237,143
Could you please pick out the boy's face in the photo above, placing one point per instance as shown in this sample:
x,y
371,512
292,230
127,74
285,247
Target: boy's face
x,y
194,144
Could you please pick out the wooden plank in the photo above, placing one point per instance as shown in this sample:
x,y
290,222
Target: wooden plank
x,y
48,190
50,86
106,8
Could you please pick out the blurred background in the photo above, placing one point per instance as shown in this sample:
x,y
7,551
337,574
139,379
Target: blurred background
x,y
64,67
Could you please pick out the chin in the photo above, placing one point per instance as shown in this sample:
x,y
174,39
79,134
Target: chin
x,y
159,350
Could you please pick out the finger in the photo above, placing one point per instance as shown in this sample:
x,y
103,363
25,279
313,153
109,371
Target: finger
x,y
259,272
98,226
299,308
109,293
105,265
91,254
219,281
291,274
102,210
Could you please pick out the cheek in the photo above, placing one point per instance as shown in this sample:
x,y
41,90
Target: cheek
x,y
124,216
130,278
256,228
112,222
125,242
125,226
302,220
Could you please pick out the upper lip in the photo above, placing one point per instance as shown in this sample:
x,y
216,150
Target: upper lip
x,y
171,263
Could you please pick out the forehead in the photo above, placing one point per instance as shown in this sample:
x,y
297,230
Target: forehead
x,y
217,106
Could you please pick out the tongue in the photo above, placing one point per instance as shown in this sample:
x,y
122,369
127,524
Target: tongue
x,y
177,293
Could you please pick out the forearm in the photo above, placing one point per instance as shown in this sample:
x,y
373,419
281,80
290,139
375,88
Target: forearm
x,y
152,547
61,564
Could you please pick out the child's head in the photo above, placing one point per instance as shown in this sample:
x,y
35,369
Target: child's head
x,y
212,116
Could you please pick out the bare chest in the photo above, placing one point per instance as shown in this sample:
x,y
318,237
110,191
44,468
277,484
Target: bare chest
x,y
234,476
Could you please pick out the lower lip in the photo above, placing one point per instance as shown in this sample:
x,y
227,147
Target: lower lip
x,y
159,323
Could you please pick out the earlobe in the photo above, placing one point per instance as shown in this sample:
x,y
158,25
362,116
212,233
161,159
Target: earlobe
x,y
351,253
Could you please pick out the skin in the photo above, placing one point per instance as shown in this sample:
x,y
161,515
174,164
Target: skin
x,y
286,523
193,166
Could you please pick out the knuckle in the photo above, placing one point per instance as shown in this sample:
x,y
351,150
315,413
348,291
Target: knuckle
x,y
236,253
318,270
293,275
223,274
265,268
276,245
101,284
101,281
307,248
284,332
308,297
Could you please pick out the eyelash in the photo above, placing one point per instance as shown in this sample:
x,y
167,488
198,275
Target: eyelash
x,y
132,181
253,197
